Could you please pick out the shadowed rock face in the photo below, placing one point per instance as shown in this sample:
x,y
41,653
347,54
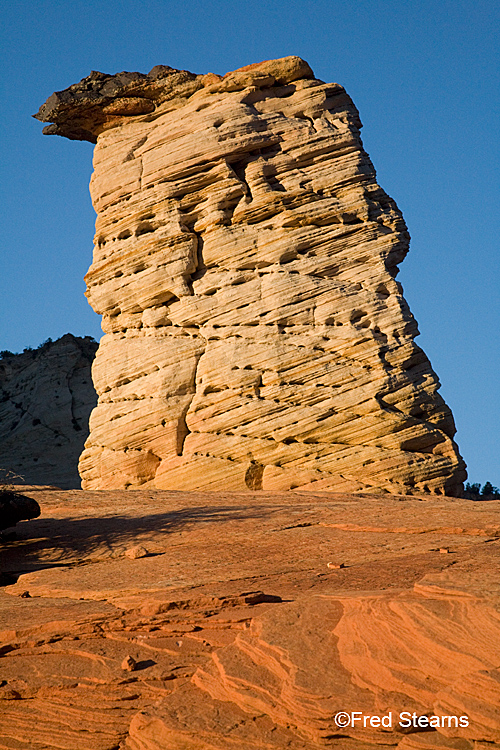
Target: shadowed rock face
x,y
244,267
15,507
46,396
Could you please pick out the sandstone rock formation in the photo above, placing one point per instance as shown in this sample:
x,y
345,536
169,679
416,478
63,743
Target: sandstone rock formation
x,y
244,267
239,635
46,396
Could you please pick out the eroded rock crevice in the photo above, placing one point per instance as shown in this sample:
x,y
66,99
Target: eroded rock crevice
x,y
244,266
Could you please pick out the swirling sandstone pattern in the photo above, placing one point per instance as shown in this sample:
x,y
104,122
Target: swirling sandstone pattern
x,y
211,621
244,267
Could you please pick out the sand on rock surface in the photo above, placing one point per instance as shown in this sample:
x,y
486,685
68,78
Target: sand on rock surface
x,y
147,620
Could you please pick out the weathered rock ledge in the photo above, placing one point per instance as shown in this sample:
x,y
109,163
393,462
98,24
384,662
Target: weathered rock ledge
x,y
244,267
100,101
151,620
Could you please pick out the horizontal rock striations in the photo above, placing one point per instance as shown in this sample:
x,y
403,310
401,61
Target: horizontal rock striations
x,y
46,396
244,267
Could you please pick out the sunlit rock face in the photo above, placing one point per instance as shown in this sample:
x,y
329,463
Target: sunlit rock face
x,y
244,267
198,621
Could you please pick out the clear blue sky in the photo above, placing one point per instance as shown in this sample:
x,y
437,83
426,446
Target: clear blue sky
x,y
424,76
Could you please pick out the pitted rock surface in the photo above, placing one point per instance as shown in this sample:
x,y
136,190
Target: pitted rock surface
x,y
232,633
244,267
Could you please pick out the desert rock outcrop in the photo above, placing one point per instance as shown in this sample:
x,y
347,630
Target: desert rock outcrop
x,y
244,267
46,396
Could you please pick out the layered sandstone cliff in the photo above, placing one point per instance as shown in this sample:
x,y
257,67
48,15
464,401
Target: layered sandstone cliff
x,y
46,396
244,267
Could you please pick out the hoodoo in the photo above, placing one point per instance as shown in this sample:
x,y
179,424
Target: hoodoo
x,y
244,267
